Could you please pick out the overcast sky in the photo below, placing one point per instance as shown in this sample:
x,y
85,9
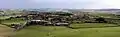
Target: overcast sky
x,y
79,4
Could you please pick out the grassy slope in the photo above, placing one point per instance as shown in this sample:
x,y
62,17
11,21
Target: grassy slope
x,y
42,31
5,31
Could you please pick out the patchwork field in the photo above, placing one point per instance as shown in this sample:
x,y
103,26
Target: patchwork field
x,y
83,30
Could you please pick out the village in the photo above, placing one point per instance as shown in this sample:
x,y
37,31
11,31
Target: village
x,y
40,22
59,18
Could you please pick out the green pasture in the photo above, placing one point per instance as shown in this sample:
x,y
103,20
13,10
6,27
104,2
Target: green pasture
x,y
56,31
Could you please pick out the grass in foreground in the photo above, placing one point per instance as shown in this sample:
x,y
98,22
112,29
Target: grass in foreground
x,y
50,31
5,31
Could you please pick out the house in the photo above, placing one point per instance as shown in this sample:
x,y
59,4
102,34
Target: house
x,y
37,22
62,24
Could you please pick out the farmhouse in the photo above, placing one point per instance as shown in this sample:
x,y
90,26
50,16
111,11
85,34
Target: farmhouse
x,y
37,22
62,24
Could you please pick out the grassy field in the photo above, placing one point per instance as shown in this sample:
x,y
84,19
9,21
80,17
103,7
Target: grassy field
x,y
92,25
4,17
5,31
13,21
105,15
50,31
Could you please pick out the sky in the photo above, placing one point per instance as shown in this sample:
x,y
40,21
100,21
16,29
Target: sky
x,y
69,4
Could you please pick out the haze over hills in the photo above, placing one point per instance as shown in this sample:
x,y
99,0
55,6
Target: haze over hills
x,y
50,9
114,11
70,10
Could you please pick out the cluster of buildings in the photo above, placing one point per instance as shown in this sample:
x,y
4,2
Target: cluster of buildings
x,y
48,18
51,17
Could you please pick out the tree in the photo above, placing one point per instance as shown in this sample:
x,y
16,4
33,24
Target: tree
x,y
100,20
0,21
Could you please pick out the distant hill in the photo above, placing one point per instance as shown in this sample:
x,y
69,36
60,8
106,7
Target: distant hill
x,y
77,10
109,10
